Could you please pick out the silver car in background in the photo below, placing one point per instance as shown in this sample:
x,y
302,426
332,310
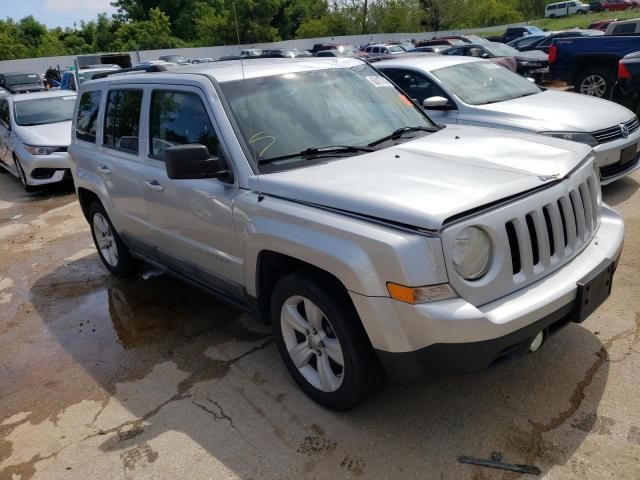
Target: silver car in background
x,y
35,133
469,91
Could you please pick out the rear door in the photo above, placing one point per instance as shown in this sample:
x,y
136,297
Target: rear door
x,y
192,219
119,162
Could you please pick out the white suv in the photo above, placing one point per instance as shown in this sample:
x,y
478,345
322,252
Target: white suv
x,y
315,195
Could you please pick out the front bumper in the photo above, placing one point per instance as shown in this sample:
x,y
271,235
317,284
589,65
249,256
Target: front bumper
x,y
608,158
414,341
36,167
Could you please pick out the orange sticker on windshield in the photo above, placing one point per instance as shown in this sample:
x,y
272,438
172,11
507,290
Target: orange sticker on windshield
x,y
406,101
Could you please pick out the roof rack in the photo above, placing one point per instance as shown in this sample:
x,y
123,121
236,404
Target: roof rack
x,y
146,68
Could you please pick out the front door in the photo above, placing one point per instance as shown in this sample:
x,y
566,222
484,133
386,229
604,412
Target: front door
x,y
5,134
192,219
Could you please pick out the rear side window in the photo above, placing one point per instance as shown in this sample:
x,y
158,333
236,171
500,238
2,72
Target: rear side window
x,y
624,28
179,118
87,117
122,120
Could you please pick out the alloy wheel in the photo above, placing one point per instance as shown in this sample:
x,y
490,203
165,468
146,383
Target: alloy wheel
x,y
593,85
105,239
312,343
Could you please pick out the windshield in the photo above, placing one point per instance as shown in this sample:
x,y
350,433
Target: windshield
x,y
395,49
44,110
500,50
491,83
22,79
295,111
524,41
535,30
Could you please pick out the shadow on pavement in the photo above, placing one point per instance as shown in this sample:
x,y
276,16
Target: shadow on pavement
x,y
179,361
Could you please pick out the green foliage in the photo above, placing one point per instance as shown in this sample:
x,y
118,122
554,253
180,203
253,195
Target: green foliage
x,y
157,24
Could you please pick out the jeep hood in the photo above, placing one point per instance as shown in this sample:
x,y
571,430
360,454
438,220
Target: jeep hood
x,y
424,182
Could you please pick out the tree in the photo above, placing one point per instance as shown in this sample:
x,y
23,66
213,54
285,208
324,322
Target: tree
x,y
154,33
30,32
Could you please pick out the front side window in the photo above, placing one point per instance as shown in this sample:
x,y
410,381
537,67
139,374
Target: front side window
x,y
415,84
4,113
42,111
281,115
491,83
122,120
87,117
179,118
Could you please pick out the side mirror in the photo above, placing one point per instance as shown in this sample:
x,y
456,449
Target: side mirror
x,y
193,161
532,80
485,55
436,103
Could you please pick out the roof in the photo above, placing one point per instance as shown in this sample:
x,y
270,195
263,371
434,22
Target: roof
x,y
45,94
428,63
231,70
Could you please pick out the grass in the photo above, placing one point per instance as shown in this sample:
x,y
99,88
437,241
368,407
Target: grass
x,y
573,21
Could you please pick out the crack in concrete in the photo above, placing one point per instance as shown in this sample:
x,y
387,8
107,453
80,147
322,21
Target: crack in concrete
x,y
27,469
219,415
578,395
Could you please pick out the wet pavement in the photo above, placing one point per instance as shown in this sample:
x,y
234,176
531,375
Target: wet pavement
x,y
104,378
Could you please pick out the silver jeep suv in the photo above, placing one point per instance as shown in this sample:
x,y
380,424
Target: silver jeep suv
x,y
315,195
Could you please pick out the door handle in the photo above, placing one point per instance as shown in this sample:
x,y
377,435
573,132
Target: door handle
x,y
154,185
104,170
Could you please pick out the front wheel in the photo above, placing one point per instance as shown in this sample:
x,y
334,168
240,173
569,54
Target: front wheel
x,y
112,251
596,82
322,342
22,177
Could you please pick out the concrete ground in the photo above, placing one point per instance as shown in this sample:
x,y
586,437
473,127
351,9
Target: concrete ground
x,y
109,379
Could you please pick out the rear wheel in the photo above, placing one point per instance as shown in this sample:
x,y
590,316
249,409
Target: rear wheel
x,y
322,341
596,82
113,252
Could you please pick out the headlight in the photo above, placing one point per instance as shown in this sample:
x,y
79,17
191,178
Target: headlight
x,y
38,150
574,137
471,253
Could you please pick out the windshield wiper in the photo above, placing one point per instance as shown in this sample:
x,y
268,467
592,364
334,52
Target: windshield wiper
x,y
403,130
315,151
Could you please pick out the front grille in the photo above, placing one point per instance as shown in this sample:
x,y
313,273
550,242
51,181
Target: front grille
x,y
615,133
617,168
546,236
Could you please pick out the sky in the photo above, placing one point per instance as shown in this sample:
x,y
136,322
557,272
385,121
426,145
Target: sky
x,y
55,13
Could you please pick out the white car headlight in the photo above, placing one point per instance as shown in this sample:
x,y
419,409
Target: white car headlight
x,y
472,251
38,150
579,137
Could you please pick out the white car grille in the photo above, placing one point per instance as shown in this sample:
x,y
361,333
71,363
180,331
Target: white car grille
x,y
615,133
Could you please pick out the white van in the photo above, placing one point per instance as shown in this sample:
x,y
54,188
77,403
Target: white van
x,y
563,9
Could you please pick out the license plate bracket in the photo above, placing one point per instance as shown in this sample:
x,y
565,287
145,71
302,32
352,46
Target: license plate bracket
x,y
593,290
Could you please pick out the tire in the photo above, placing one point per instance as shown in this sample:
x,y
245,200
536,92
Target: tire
x,y
596,82
337,366
113,252
22,177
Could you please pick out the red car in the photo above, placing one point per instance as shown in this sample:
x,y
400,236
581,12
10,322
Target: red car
x,y
617,5
601,24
